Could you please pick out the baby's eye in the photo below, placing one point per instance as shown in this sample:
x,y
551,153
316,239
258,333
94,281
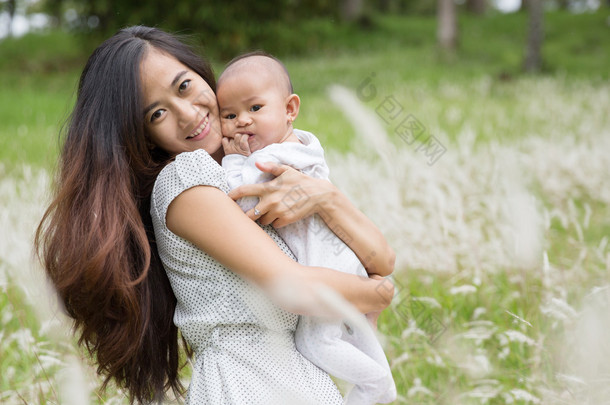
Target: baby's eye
x,y
255,107
229,116
184,85
156,115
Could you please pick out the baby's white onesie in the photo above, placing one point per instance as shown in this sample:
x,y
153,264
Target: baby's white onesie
x,y
338,348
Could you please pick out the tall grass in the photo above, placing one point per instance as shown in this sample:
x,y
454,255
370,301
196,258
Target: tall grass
x,y
502,255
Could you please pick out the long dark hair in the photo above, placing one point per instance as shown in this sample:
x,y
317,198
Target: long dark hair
x,y
96,239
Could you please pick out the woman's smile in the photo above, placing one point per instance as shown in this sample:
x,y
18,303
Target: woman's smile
x,y
202,129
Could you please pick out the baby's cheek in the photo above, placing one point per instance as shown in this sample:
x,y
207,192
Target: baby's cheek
x,y
225,128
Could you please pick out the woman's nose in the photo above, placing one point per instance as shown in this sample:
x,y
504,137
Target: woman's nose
x,y
188,114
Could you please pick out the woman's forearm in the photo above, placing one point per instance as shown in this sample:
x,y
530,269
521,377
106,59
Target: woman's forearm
x,y
358,232
364,293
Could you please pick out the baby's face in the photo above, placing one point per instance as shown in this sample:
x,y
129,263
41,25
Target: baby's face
x,y
254,104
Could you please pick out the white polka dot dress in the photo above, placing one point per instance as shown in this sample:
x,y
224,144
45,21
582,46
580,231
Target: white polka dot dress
x,y
244,345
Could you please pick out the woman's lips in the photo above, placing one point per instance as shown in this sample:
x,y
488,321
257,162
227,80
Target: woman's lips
x,y
202,129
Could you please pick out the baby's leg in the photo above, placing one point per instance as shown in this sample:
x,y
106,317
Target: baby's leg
x,y
321,343
367,342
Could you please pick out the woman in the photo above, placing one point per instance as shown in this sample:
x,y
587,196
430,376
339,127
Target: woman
x,y
144,98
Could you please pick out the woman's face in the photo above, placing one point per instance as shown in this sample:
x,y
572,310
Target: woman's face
x,y
181,112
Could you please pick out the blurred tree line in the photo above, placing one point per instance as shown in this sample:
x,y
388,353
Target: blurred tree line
x,y
281,26
233,25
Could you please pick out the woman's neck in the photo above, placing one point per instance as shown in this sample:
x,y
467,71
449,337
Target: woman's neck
x,y
218,155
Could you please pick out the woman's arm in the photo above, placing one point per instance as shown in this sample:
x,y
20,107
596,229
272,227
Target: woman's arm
x,y
292,196
208,218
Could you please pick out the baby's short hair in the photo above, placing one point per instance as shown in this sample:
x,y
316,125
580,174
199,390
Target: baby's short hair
x,y
263,54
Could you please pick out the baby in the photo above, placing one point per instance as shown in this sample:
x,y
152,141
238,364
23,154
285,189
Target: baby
x,y
257,109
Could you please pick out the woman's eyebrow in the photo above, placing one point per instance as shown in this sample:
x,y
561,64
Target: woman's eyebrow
x,y
178,77
172,84
150,107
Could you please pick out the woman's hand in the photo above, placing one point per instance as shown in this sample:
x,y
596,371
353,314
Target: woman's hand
x,y
292,196
288,198
386,288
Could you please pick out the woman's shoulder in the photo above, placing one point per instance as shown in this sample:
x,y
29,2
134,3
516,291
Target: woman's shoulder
x,y
194,168
188,169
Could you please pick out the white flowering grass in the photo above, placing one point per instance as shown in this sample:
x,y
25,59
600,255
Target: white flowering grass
x,y
507,235
503,256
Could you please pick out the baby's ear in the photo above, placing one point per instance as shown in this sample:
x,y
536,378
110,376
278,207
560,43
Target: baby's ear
x,y
293,103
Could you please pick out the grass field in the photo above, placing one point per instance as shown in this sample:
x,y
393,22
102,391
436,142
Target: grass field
x,y
501,227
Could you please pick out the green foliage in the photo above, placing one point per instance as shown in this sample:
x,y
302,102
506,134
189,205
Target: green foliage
x,y
493,44
234,25
55,51
33,108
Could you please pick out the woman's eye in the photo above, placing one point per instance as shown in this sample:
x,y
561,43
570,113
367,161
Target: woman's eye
x,y
184,85
156,115
255,107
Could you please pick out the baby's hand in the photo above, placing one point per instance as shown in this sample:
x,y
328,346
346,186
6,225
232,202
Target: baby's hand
x,y
238,144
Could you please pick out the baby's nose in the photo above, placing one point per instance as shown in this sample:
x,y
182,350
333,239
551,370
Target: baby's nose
x,y
243,119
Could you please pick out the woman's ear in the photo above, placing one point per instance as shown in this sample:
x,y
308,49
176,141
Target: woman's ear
x,y
293,102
